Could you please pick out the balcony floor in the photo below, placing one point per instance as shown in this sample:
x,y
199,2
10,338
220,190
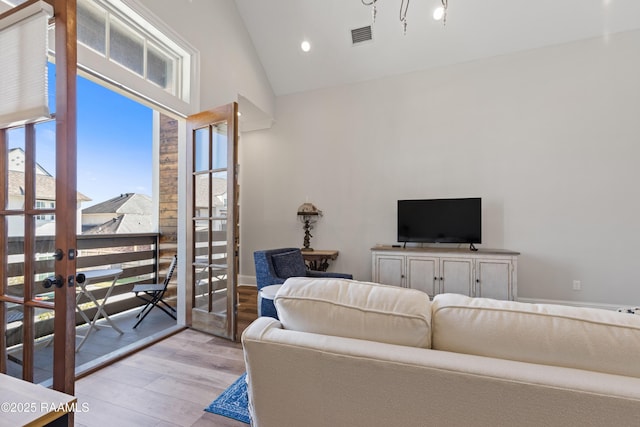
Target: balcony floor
x,y
101,342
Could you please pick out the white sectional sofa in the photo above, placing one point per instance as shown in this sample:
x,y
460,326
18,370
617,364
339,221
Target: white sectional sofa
x,y
348,353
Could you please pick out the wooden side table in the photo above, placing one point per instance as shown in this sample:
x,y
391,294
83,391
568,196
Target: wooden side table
x,y
318,259
27,404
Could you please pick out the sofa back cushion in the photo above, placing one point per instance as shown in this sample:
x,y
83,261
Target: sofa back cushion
x,y
352,309
573,337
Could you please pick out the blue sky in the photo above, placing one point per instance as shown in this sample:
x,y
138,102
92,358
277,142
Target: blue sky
x,y
114,142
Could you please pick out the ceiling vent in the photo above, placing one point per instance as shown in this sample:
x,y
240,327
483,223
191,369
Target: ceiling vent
x,y
360,35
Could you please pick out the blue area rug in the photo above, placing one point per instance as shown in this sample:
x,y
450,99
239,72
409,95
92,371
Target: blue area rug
x,y
233,402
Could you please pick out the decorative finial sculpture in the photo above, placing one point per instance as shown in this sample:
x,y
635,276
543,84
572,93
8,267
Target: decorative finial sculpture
x,y
308,215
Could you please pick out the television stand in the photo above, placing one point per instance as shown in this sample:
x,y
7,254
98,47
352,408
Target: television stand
x,y
472,248
488,273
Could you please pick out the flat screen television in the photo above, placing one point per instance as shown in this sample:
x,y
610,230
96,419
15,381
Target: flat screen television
x,y
440,221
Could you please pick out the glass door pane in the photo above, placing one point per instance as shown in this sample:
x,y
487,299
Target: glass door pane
x,y
28,154
214,253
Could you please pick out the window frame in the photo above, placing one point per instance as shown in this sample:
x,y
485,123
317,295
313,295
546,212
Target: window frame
x,y
180,97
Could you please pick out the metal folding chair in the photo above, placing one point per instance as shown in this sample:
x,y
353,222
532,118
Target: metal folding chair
x,y
153,293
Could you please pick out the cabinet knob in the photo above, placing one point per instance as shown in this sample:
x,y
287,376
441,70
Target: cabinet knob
x,y
477,280
402,276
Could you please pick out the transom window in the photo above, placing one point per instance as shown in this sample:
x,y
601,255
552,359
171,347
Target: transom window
x,y
122,43
125,38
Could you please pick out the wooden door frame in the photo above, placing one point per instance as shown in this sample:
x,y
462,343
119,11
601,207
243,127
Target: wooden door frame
x,y
230,112
65,210
66,54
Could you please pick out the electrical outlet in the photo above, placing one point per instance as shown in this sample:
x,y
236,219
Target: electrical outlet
x,y
577,285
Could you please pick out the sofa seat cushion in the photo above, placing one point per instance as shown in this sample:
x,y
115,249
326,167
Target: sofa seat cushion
x,y
574,337
352,309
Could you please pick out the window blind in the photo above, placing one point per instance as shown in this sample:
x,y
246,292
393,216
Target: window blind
x,y
23,65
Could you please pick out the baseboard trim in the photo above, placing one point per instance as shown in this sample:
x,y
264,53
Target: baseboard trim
x,y
571,303
246,280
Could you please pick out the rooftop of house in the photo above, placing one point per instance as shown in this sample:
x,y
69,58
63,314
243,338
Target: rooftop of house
x,y
218,191
130,213
122,224
45,186
127,203
45,182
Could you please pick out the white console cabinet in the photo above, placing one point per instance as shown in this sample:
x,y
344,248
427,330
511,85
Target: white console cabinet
x,y
486,273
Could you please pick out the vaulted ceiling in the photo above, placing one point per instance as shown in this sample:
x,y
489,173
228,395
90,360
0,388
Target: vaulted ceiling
x,y
474,30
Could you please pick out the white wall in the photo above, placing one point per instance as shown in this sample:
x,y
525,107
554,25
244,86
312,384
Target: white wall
x,y
548,138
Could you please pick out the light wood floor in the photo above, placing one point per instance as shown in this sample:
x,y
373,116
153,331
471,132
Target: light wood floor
x,y
169,383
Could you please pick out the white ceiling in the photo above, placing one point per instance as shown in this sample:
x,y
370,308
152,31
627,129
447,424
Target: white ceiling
x,y
475,29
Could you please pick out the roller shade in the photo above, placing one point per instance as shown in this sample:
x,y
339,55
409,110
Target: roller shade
x,y
23,65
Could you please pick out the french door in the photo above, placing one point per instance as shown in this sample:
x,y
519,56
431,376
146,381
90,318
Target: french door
x,y
214,233
38,203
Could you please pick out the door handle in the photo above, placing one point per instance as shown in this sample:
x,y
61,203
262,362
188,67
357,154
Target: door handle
x,y
58,281
58,254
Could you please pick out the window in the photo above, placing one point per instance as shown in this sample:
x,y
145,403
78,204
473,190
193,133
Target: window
x,y
115,32
126,47
121,42
92,24
45,204
160,67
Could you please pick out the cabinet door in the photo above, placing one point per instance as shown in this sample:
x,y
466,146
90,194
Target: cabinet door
x,y
493,279
456,276
422,274
389,269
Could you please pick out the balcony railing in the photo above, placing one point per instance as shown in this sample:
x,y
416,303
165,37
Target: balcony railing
x,y
135,254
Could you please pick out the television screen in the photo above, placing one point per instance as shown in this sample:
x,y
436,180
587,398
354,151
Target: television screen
x,y
440,220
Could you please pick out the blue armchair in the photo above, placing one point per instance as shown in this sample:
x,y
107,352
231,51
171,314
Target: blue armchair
x,y
274,266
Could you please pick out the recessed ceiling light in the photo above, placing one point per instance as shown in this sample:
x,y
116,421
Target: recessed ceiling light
x,y
438,13
305,46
